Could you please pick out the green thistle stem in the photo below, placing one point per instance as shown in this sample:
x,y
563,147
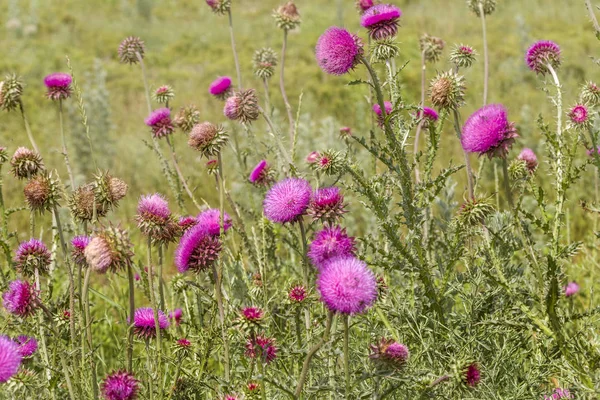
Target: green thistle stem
x,y
305,268
155,311
88,329
267,98
486,62
64,144
507,183
161,283
28,128
288,107
467,161
180,174
420,125
235,56
131,315
263,386
346,354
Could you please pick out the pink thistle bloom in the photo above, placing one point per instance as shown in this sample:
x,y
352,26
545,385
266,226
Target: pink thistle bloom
x,y
381,20
10,358
287,200
187,222
571,289
210,220
541,54
591,152
153,207
59,86
20,298
260,173
472,375
27,345
388,108
32,255
176,316
137,277
429,114
253,386
160,122
528,156
297,294
231,397
197,250
327,204
390,352
347,285
79,244
338,51
261,347
364,5
345,131
560,394
143,322
120,385
488,131
221,87
313,157
330,242
252,314
184,343
579,115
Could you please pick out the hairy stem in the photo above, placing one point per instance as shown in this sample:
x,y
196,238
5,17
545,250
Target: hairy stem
x,y
219,296
288,107
507,183
346,355
64,144
590,10
267,98
305,268
180,174
559,163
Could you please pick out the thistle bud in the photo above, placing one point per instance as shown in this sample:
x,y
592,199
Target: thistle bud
x,y
579,116
212,167
163,94
187,117
287,16
383,50
488,6
364,5
26,163
207,138
129,50
219,6
41,193
447,90
463,56
590,94
329,162
111,250
242,106
82,204
431,47
473,211
264,62
471,375
11,90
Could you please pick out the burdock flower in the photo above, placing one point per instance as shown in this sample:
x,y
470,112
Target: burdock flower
x,y
154,219
163,94
447,90
381,21
472,375
207,138
27,345
579,116
463,56
111,250
26,163
187,117
84,205
144,324
264,62
41,193
32,255
261,174
571,289
119,385
327,204
488,6
221,87
347,285
338,51
529,158
10,359
197,250
252,314
59,86
329,243
261,347
590,94
288,200
242,106
21,298
488,131
219,6
390,353
131,50
11,90
297,294
431,47
79,244
210,221
287,16
160,122
541,54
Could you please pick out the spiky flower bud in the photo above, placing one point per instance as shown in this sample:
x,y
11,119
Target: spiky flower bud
x,y
579,116
187,117
212,167
111,250
109,190
297,294
327,204
590,94
3,155
384,49
11,90
529,158
364,5
474,211
207,138
287,16
447,90
488,6
219,6
431,47
41,193
26,163
163,94
264,62
328,162
82,204
242,106
389,353
32,256
518,170
463,56
130,49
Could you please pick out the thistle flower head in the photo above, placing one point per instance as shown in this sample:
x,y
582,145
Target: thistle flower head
x,y
187,117
176,316
219,6
472,375
26,163
473,211
11,90
261,347
154,219
27,345
429,115
111,250
163,94
559,393
264,62
364,5
160,122
338,51
381,20
389,353
197,250
119,385
58,85
327,204
242,106
79,243
345,132
3,155
488,131
83,203
329,243
590,94
488,6
21,298
130,49
431,47
32,255
389,107
463,56
41,193
313,157
347,285
109,190
207,138
541,54
529,158
383,50
144,323
10,358
261,174
210,221
297,294
252,314
579,116
287,16
186,222
220,87
571,289
329,162
287,200
231,397
447,90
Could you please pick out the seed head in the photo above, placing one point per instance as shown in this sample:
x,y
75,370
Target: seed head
x,y
111,249
41,193
26,163
82,204
242,106
287,16
109,190
208,138
129,50
447,90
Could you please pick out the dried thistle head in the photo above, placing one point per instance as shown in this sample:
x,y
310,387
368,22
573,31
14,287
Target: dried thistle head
x,y
431,47
287,16
187,117
11,90
447,90
42,193
129,50
207,138
26,163
83,203
264,62
111,249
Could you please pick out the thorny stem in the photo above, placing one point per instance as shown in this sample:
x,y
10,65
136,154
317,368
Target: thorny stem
x,y
420,125
28,128
305,267
507,183
346,355
155,310
64,144
131,314
88,329
288,107
486,62
559,162
276,134
263,387
145,79
180,174
267,98
219,296
467,161
235,56
161,283
588,5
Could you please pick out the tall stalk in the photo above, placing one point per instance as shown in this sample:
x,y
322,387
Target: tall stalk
x,y
559,162
235,56
180,174
64,144
346,355
131,315
420,125
267,98
155,311
590,10
288,107
28,128
486,62
305,268
88,329
507,183
467,161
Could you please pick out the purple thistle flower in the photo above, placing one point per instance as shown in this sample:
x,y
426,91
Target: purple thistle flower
x,y
59,86
120,385
144,325
313,157
390,353
528,156
345,132
330,242
488,131
10,358
571,289
347,285
32,255
210,221
176,316
242,106
79,244
560,394
388,108
260,174
364,5
472,375
221,87
160,122
579,115
197,250
381,20
297,294
541,54
186,222
154,219
429,114
327,204
137,277
252,314
153,207
27,345
338,51
98,254
287,200
261,347
21,298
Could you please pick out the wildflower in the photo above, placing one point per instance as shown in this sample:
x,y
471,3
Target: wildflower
x,y
347,285
3,155
160,122
264,62
472,375
212,167
210,221
187,117
27,345
111,250
83,204
541,55
257,279
590,94
297,294
79,244
338,51
488,6
219,6
287,16
528,156
488,131
388,352
560,394
231,397
253,389
571,289
163,94
137,277
252,314
473,211
330,162
176,316
120,385
261,347
10,359
11,90
364,5
197,250
447,90
327,204
144,324
221,87
242,106
462,56
41,193
429,115
261,174
313,157
381,21
388,106
32,255
59,86
207,138
287,200
131,50
21,298
154,219
431,47
183,344
186,223
329,243
579,116
345,132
